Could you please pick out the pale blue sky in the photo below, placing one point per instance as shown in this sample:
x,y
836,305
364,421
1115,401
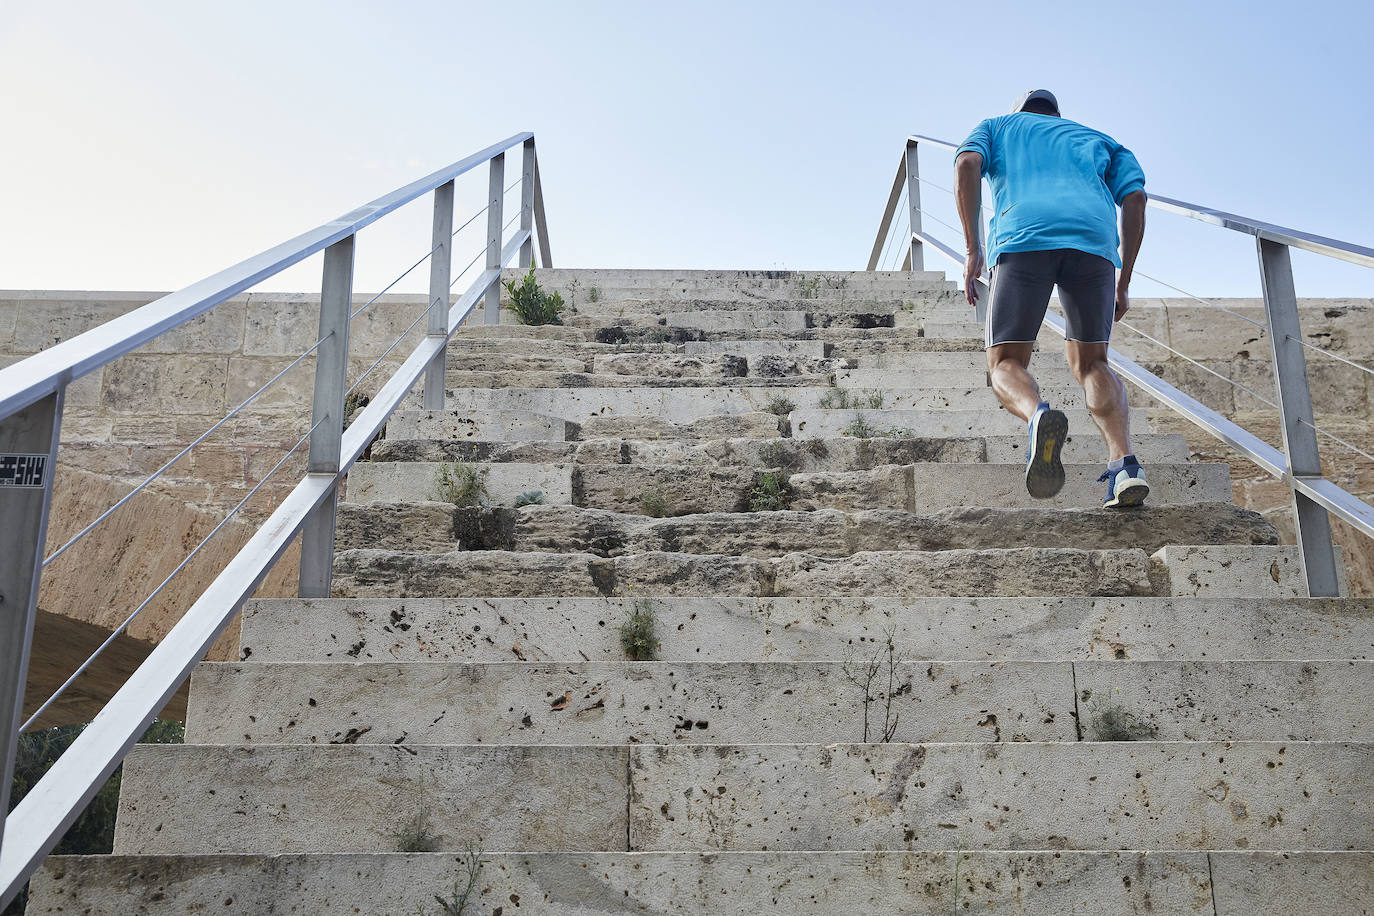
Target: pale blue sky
x,y
149,144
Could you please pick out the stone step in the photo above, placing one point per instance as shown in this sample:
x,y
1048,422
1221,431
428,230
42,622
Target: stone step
x,y
797,455
674,365
679,405
685,489
991,420
752,425
822,532
924,883
528,703
1029,572
273,799
773,374
1116,795
485,425
804,349
748,279
716,629
779,702
1054,379
956,361
1204,570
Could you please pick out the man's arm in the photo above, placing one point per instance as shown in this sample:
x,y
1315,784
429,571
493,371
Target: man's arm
x,y
968,193
1132,234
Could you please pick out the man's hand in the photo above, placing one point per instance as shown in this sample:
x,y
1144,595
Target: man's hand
x,y
973,272
1123,298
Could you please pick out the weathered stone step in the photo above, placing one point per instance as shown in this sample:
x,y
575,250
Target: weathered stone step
x,y
1203,570
658,703
358,798
749,279
204,799
680,405
779,702
798,455
1118,795
782,629
804,349
990,420
958,361
685,489
823,532
1031,572
924,883
456,381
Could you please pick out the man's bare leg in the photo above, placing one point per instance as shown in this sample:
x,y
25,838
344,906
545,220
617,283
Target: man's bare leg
x,y
1015,387
1105,394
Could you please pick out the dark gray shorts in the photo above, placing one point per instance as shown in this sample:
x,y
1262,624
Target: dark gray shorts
x,y
1021,285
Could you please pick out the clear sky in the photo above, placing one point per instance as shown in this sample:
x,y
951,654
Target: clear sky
x,y
149,144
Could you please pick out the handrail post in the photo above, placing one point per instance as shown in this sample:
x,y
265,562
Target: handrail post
x,y
326,418
1295,416
495,224
527,204
440,267
28,462
913,197
541,221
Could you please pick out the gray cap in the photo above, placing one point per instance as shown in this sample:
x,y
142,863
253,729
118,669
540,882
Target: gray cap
x,y
1035,94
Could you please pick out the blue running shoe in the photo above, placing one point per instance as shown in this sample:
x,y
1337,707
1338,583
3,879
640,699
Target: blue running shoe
x,y
1044,471
1127,487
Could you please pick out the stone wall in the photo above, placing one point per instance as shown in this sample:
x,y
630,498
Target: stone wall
x,y
127,419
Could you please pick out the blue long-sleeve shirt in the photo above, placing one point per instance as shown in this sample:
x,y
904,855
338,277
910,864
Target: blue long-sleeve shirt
x,y
1055,184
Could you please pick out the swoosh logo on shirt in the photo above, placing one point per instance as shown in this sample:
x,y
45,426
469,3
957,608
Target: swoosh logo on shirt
x,y
1004,212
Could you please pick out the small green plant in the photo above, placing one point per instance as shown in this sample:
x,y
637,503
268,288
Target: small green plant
x,y
573,286
844,399
779,406
593,294
774,454
637,634
456,904
417,834
860,428
530,498
770,493
531,304
810,287
461,483
654,503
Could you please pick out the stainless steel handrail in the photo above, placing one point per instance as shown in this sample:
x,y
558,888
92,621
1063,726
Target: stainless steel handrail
x,y
1298,463
31,398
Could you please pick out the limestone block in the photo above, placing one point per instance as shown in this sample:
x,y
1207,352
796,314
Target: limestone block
x,y
518,703
812,349
735,883
416,526
220,330
45,318
368,573
820,628
1225,700
281,324
1029,571
1289,883
721,320
881,488
937,486
684,490
986,421
355,798
483,425
750,424
294,391
1087,446
1219,570
166,385
376,481
668,365
1123,795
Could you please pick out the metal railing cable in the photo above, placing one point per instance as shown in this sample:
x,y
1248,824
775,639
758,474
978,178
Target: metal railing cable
x,y
109,640
470,220
894,234
397,342
1184,356
184,452
1333,436
462,272
403,275
1316,349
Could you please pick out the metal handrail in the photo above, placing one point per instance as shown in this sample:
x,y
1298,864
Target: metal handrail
x,y
1298,464
31,397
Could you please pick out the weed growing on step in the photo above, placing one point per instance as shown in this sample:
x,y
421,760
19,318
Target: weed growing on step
x,y
573,286
531,304
594,294
637,634
770,493
864,674
456,904
779,406
530,498
844,399
774,454
809,287
417,834
461,483
654,503
860,428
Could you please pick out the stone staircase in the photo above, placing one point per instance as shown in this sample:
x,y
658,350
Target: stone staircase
x,y
805,483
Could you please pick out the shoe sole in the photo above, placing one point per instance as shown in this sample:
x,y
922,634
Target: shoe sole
x,y
1129,496
1045,472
